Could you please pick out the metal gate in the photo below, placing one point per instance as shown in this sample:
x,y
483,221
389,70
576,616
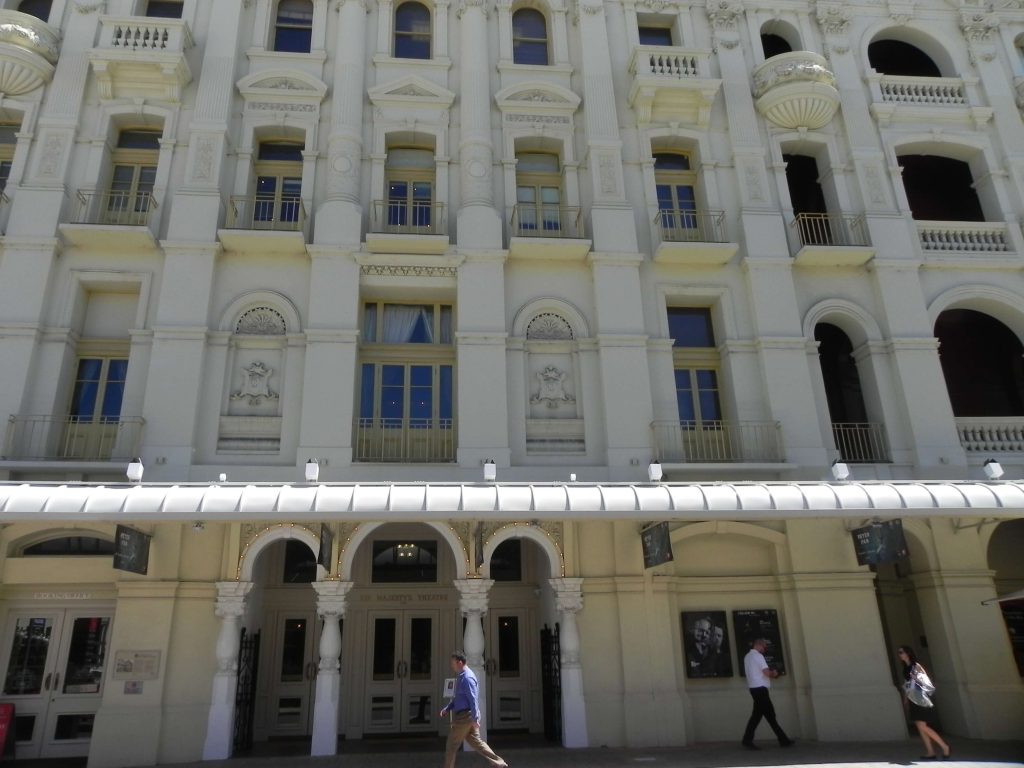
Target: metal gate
x,y
245,694
551,672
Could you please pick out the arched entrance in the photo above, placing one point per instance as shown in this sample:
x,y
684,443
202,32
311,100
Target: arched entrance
x,y
1004,558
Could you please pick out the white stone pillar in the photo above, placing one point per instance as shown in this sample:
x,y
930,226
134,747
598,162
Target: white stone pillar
x,y
220,727
569,602
473,605
330,605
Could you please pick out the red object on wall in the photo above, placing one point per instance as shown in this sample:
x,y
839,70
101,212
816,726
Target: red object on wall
x,y
6,727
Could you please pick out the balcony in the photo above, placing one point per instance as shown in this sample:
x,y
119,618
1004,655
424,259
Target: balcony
x,y
693,237
405,440
72,438
112,220
548,233
265,224
671,84
796,90
938,237
831,240
861,442
29,48
925,99
718,442
1003,434
141,57
400,226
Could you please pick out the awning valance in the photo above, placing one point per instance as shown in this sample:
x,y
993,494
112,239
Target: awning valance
x,y
561,501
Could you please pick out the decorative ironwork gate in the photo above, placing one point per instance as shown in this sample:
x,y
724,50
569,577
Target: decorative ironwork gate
x,y
245,695
551,673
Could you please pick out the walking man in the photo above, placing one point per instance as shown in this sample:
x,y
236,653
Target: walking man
x,y
759,678
465,710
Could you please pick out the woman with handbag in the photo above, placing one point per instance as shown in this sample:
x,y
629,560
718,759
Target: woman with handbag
x,y
917,703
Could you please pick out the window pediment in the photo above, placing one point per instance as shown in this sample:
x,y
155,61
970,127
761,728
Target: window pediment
x,y
286,88
412,90
537,97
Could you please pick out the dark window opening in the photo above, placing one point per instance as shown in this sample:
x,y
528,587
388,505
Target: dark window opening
x,y
804,188
773,45
293,30
280,151
894,57
529,37
507,561
38,8
656,36
839,371
690,327
299,563
940,189
139,139
404,562
983,364
164,9
70,546
412,31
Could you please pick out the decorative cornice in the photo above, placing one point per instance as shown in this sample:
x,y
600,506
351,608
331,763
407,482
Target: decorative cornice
x,y
89,6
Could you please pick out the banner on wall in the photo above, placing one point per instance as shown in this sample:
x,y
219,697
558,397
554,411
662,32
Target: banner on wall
x,y
880,543
657,544
752,624
706,644
131,550
323,557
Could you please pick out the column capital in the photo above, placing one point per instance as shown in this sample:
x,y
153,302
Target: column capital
x,y
473,595
466,5
331,597
568,594
231,598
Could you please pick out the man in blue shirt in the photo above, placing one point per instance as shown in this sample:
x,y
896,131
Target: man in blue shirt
x,y
465,710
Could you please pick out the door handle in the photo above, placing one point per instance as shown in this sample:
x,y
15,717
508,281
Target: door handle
x,y
46,681
402,669
56,681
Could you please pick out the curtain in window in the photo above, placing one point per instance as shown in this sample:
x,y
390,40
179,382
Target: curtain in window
x,y
401,321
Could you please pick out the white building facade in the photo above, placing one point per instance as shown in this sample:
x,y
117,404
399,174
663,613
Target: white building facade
x,y
393,241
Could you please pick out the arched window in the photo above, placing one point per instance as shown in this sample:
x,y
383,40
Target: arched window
x,y
529,37
983,364
70,546
894,57
412,31
773,44
293,30
940,188
38,8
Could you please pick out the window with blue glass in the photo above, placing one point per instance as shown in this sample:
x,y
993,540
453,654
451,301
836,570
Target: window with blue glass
x,y
655,34
412,31
278,185
529,37
293,28
675,184
696,362
98,390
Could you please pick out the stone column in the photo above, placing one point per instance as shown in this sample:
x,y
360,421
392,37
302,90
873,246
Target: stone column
x,y
479,225
220,727
473,606
569,602
330,605
339,219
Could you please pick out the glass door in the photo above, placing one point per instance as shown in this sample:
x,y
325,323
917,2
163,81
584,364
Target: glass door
x,y
508,676
293,675
55,662
402,675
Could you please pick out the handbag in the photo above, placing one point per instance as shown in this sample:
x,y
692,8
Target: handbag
x,y
919,688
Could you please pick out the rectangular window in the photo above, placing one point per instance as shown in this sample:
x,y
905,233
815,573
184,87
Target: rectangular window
x,y
650,35
690,327
696,367
407,323
98,390
164,9
403,562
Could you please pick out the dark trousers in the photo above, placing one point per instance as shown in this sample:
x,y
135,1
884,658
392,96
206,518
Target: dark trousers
x,y
763,707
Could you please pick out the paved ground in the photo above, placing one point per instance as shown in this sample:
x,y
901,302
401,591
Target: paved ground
x,y
427,754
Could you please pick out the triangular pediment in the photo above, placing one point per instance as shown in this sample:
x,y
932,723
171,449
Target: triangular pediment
x,y
412,89
536,96
285,84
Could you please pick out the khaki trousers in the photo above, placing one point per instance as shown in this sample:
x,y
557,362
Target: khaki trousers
x,y
463,729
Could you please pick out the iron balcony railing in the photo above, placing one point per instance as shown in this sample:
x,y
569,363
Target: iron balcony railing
x,y
266,212
686,442
49,438
405,440
547,221
113,207
861,442
992,434
830,229
404,217
685,226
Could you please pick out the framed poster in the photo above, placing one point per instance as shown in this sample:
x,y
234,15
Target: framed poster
x,y
131,551
880,543
752,624
137,665
706,650
656,544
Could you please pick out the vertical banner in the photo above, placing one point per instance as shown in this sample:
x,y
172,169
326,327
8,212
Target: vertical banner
x,y
131,550
750,625
657,545
323,557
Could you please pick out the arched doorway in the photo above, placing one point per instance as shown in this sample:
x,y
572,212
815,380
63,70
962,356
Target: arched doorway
x,y
1004,558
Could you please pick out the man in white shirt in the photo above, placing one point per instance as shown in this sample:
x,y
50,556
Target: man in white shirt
x,y
759,679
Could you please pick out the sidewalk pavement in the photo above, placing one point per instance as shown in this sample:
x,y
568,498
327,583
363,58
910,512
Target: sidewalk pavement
x,y
966,754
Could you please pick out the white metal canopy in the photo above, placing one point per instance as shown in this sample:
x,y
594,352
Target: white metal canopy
x,y
562,501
